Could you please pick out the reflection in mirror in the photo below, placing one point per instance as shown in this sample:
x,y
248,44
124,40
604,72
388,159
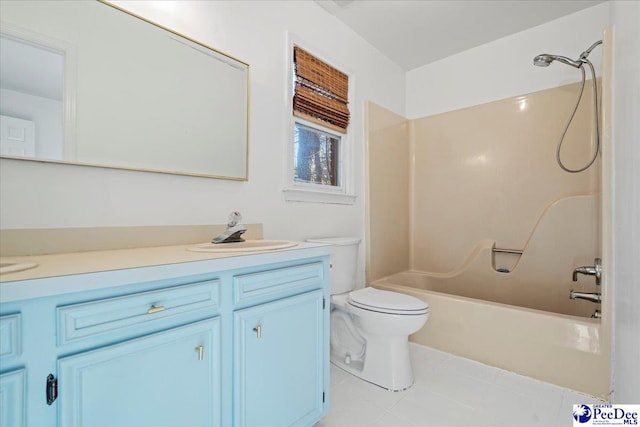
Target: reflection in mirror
x,y
31,85
86,83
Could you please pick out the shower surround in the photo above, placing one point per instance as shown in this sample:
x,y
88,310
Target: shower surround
x,y
451,188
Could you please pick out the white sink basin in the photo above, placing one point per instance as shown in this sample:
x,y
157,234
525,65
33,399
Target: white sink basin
x,y
247,246
12,267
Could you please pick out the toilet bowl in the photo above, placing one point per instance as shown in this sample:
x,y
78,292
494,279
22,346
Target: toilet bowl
x,y
370,327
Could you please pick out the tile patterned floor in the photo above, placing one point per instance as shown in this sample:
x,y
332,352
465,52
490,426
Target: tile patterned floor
x,y
451,391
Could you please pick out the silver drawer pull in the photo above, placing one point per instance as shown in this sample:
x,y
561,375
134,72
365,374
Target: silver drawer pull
x,y
155,309
258,331
200,350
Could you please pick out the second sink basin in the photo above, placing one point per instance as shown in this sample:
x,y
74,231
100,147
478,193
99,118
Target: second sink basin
x,y
246,246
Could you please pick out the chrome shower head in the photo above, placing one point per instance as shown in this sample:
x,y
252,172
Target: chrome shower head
x,y
545,59
542,60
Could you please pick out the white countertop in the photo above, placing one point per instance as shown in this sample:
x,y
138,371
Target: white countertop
x,y
113,267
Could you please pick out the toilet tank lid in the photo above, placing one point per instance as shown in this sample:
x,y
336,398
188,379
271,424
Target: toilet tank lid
x,y
340,241
373,297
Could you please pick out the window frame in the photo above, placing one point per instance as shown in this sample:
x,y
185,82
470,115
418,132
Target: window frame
x,y
308,192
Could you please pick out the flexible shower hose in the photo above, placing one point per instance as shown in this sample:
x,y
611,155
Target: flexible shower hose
x,y
597,127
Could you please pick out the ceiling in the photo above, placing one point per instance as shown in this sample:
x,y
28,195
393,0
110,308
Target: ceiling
x,y
416,33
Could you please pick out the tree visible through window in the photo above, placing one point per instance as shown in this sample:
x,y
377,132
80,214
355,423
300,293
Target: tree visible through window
x,y
316,156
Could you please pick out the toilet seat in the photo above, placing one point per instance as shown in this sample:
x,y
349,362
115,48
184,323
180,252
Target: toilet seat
x,y
380,301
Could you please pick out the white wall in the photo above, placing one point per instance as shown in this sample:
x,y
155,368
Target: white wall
x,y
504,68
626,188
49,195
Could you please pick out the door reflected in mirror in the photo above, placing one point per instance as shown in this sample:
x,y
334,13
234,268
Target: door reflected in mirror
x,y
87,83
31,94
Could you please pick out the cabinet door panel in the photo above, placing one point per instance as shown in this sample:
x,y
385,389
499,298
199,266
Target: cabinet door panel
x,y
10,336
278,377
157,380
12,401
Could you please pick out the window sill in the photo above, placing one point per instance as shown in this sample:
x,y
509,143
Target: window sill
x,y
312,196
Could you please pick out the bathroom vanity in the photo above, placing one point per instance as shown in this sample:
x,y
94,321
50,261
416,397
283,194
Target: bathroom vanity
x,y
206,340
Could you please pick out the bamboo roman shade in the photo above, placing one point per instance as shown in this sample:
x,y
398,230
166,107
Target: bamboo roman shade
x,y
321,92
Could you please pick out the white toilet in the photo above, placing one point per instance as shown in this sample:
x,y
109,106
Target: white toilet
x,y
370,327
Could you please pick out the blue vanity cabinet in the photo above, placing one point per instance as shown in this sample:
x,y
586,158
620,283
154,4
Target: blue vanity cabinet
x,y
241,341
170,378
147,352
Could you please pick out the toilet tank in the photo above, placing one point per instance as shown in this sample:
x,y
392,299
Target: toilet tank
x,y
344,262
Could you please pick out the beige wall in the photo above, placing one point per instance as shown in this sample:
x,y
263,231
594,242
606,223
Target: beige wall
x,y
484,172
489,172
388,192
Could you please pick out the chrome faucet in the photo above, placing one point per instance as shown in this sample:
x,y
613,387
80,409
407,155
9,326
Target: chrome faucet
x,y
595,270
589,296
234,230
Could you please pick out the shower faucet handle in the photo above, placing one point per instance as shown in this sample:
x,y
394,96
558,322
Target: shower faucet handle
x,y
595,270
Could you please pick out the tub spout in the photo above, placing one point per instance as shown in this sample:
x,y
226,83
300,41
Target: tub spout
x,y
589,296
595,270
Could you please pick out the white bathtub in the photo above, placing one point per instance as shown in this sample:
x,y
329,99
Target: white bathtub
x,y
567,350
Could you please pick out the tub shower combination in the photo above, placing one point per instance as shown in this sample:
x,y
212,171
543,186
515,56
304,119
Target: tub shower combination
x,y
535,309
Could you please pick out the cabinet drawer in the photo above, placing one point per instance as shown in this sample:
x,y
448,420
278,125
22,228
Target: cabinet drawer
x,y
276,283
79,321
10,335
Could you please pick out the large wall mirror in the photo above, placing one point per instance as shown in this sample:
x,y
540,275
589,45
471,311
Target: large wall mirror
x,y
84,82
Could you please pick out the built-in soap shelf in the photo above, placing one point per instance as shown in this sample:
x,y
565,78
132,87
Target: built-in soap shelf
x,y
505,260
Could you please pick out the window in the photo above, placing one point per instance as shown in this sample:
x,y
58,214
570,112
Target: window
x,y
316,156
320,114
